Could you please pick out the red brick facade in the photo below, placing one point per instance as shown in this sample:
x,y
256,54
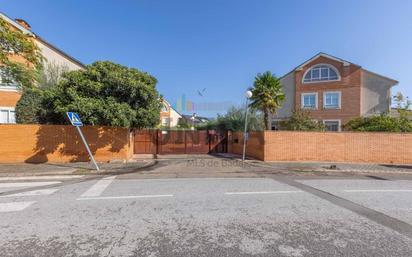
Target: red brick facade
x,y
349,85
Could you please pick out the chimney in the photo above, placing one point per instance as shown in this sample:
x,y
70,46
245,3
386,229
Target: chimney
x,y
23,23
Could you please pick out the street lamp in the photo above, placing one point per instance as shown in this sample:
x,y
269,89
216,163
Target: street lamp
x,y
193,120
248,95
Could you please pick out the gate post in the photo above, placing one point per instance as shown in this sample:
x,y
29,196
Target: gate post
x,y
157,142
185,141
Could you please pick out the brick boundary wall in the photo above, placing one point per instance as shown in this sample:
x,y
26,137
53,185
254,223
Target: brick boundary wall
x,y
356,147
60,143
255,144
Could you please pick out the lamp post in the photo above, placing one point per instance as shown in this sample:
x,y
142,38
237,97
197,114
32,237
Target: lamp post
x,y
193,121
248,95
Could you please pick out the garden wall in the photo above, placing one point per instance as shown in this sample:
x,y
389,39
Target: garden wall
x,y
328,146
255,144
59,143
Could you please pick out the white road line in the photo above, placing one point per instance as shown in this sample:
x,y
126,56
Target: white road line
x,y
28,184
33,193
262,192
41,177
14,206
98,188
122,197
376,190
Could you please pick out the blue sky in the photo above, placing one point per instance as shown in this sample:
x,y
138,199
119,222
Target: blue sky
x,y
221,45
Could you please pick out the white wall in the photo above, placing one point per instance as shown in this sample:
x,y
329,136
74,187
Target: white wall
x,y
376,94
54,57
174,117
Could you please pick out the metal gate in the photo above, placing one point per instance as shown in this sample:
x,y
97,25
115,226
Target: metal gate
x,y
145,141
179,142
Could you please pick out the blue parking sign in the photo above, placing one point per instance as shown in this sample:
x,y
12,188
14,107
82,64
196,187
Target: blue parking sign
x,y
74,119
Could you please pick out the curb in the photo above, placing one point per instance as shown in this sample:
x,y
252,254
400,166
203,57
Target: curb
x,y
80,171
323,170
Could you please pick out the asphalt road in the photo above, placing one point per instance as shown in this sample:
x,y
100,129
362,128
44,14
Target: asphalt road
x,y
265,215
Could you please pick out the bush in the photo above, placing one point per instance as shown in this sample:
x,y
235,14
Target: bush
x,y
183,124
382,123
234,120
104,93
29,107
302,121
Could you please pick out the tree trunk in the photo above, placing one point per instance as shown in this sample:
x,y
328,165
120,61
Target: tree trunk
x,y
266,119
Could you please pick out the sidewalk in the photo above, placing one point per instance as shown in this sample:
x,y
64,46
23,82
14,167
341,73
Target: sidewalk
x,y
324,166
329,167
78,168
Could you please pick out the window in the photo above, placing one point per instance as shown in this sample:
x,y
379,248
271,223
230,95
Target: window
x,y
331,100
321,72
309,100
166,122
332,125
7,83
7,115
164,108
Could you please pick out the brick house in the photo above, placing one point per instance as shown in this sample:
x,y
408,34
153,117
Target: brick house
x,y
10,93
334,91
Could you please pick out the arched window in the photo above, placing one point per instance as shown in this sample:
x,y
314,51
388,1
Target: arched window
x,y
165,108
321,72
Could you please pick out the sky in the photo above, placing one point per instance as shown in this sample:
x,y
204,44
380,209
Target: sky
x,y
217,47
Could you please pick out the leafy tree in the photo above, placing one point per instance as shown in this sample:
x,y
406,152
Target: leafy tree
x,y
104,93
29,107
302,121
384,123
267,95
182,123
403,105
27,61
234,120
51,74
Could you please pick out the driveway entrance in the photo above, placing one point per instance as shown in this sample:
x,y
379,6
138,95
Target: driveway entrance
x,y
154,141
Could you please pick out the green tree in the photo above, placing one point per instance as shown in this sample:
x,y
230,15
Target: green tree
x,y
13,42
29,106
104,93
382,123
51,74
183,124
403,105
267,95
302,121
234,120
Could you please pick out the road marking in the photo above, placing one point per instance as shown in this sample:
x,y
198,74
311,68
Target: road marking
x,y
15,206
261,192
28,184
41,177
376,190
399,226
33,193
122,197
98,188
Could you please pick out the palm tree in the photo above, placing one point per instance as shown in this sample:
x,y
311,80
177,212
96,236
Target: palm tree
x,y
267,95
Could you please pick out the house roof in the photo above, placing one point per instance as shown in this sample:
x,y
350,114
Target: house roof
x,y
345,63
32,34
16,24
197,118
171,107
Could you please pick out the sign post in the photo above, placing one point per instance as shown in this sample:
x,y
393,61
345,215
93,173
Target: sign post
x,y
75,120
